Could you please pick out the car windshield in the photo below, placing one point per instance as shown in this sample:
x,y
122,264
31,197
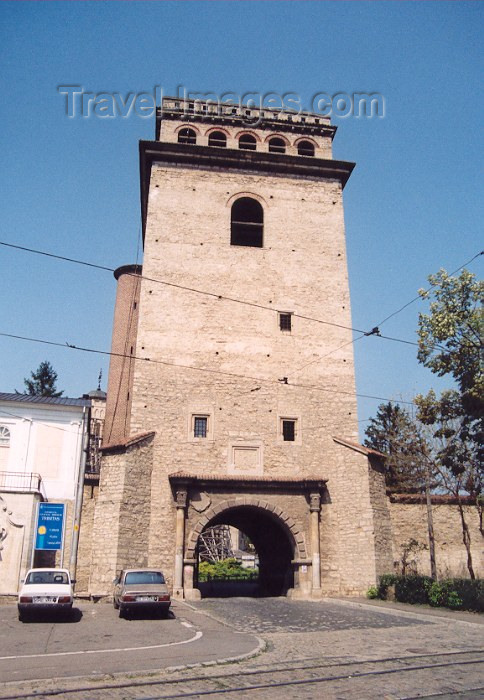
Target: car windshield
x,y
144,577
47,577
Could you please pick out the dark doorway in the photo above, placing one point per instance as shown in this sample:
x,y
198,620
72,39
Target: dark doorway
x,y
274,549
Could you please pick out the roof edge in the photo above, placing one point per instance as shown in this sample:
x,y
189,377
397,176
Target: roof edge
x,y
367,451
129,442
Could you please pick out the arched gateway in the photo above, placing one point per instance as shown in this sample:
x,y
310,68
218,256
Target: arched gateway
x,y
280,516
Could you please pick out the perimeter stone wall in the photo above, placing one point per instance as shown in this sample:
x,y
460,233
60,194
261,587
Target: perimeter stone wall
x,y
410,521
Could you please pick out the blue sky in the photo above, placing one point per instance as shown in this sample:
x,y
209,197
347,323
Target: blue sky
x,y
71,186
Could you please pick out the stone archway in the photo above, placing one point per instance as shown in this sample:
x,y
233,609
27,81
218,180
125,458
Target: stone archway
x,y
280,516
277,539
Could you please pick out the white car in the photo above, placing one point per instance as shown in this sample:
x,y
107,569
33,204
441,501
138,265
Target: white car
x,y
45,589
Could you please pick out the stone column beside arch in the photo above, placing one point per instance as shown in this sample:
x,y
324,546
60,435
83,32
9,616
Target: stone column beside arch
x,y
315,510
181,505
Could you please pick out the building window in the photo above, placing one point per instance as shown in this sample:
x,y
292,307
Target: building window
x,y
187,136
247,223
247,142
285,322
288,430
277,145
217,138
4,447
305,148
4,436
200,426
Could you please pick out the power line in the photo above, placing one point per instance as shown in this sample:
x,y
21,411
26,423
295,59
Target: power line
x,y
179,286
428,290
374,331
280,382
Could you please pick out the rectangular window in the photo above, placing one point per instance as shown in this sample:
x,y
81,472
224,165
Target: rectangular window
x,y
289,430
200,426
285,322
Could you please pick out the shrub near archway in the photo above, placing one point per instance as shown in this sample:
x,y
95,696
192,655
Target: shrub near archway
x,y
226,570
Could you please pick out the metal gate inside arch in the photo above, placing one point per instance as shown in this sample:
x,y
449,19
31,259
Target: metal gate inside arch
x,y
280,517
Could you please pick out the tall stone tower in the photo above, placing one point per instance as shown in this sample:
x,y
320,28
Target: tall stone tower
x,y
242,407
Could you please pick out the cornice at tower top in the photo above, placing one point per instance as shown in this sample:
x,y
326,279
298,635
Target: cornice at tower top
x,y
215,113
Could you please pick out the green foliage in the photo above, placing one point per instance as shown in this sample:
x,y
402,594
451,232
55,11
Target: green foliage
x,y
442,594
42,382
227,569
450,336
394,432
457,441
384,584
470,592
461,594
372,592
412,589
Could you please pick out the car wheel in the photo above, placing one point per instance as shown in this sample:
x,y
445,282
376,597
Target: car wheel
x,y
122,612
115,605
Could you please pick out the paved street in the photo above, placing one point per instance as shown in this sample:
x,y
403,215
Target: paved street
x,y
330,649
98,642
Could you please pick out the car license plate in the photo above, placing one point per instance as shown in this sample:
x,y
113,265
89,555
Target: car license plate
x,y
147,598
44,599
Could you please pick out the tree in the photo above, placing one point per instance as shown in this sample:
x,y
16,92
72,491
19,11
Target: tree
x,y
394,432
455,455
450,343
409,467
42,382
450,337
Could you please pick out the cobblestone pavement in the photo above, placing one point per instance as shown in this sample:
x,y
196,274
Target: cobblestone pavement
x,y
331,649
273,615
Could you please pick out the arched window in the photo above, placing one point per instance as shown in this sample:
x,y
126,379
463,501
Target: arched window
x,y
277,145
187,136
247,223
4,445
217,138
247,142
305,148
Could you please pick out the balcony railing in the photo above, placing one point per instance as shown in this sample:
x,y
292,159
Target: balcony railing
x,y
21,481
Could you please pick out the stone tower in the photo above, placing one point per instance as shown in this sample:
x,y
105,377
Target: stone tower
x,y
242,407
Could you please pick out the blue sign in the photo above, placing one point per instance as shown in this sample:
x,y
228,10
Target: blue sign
x,y
50,526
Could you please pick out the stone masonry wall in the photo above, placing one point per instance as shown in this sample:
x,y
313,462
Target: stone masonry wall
x,y
410,521
381,518
122,511
84,553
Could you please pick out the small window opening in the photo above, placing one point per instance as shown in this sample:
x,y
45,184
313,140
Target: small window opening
x,y
289,430
187,136
277,145
285,322
247,223
200,425
247,142
305,148
4,436
217,138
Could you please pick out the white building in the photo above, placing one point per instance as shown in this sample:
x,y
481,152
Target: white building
x,y
42,454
